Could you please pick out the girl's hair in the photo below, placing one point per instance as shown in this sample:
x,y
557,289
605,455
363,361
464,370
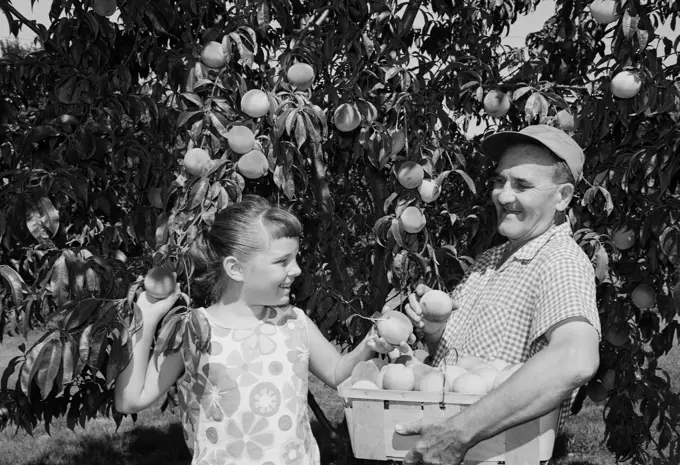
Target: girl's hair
x,y
240,230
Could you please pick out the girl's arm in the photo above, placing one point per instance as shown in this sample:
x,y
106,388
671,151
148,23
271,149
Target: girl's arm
x,y
331,367
145,380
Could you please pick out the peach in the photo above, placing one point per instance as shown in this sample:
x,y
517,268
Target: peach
x,y
451,373
469,362
159,283
433,381
498,364
365,371
365,384
470,383
398,378
394,327
436,305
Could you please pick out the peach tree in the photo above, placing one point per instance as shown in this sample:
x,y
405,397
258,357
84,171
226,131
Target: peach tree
x,y
137,121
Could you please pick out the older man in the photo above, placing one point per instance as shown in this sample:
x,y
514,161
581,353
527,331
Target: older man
x,y
529,300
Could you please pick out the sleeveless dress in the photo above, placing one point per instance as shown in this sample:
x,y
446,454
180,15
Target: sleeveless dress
x,y
245,402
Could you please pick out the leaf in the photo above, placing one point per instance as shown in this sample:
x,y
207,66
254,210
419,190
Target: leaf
x,y
8,372
284,181
300,131
80,313
217,124
368,44
84,346
185,116
643,38
59,281
601,260
50,362
629,24
68,361
48,214
263,15
392,72
536,106
519,93
395,231
32,363
200,327
198,192
167,333
670,244
193,98
35,223
468,180
290,121
16,283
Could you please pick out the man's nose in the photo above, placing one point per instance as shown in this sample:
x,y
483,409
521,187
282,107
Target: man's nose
x,y
506,194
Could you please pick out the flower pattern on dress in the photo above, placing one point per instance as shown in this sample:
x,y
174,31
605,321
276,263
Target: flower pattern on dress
x,y
292,397
257,340
293,452
245,401
244,372
265,399
299,356
251,435
218,393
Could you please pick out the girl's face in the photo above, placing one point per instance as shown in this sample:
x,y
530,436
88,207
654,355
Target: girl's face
x,y
268,275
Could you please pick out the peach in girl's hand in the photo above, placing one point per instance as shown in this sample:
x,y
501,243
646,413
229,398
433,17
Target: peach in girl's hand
x,y
159,283
395,327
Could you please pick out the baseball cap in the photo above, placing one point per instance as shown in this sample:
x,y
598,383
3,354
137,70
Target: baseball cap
x,y
556,140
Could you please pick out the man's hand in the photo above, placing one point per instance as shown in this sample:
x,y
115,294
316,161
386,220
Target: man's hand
x,y
438,444
412,308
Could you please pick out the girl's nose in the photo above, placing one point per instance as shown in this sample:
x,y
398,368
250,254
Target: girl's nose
x,y
294,270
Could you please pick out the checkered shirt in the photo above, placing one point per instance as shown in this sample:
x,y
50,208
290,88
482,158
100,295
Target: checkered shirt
x,y
504,311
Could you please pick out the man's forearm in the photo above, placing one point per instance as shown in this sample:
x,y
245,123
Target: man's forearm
x,y
537,388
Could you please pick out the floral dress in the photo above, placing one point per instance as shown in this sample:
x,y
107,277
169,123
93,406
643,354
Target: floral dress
x,y
246,401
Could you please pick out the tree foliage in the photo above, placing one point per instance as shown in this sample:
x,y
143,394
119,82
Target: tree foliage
x,y
95,191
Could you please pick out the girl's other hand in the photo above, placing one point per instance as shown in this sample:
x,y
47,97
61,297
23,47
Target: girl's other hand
x,y
154,310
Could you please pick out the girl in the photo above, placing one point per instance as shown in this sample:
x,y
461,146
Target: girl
x,y
245,401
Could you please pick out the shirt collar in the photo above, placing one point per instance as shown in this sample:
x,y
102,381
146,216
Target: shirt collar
x,y
529,250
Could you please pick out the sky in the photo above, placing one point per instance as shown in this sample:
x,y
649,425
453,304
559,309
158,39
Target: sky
x,y
40,12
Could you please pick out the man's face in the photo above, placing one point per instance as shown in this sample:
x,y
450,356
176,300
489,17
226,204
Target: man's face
x,y
524,193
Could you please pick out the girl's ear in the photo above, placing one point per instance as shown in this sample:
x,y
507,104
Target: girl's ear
x,y
565,193
232,268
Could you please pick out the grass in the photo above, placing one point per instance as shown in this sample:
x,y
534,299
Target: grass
x,y
156,437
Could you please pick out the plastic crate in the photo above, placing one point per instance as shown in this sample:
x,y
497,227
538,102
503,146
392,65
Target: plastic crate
x,y
372,414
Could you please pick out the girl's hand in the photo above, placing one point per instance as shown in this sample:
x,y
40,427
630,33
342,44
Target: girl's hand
x,y
154,310
380,345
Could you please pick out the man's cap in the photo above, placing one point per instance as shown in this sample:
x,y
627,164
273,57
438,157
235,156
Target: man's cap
x,y
556,140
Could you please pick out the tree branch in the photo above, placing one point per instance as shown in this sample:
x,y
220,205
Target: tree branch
x,y
23,20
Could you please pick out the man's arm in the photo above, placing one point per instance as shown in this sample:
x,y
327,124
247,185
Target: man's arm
x,y
570,359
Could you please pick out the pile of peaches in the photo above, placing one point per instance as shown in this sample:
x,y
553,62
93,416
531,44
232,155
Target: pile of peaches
x,y
411,372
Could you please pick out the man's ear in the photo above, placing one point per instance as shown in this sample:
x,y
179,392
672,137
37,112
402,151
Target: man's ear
x,y
565,193
233,268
